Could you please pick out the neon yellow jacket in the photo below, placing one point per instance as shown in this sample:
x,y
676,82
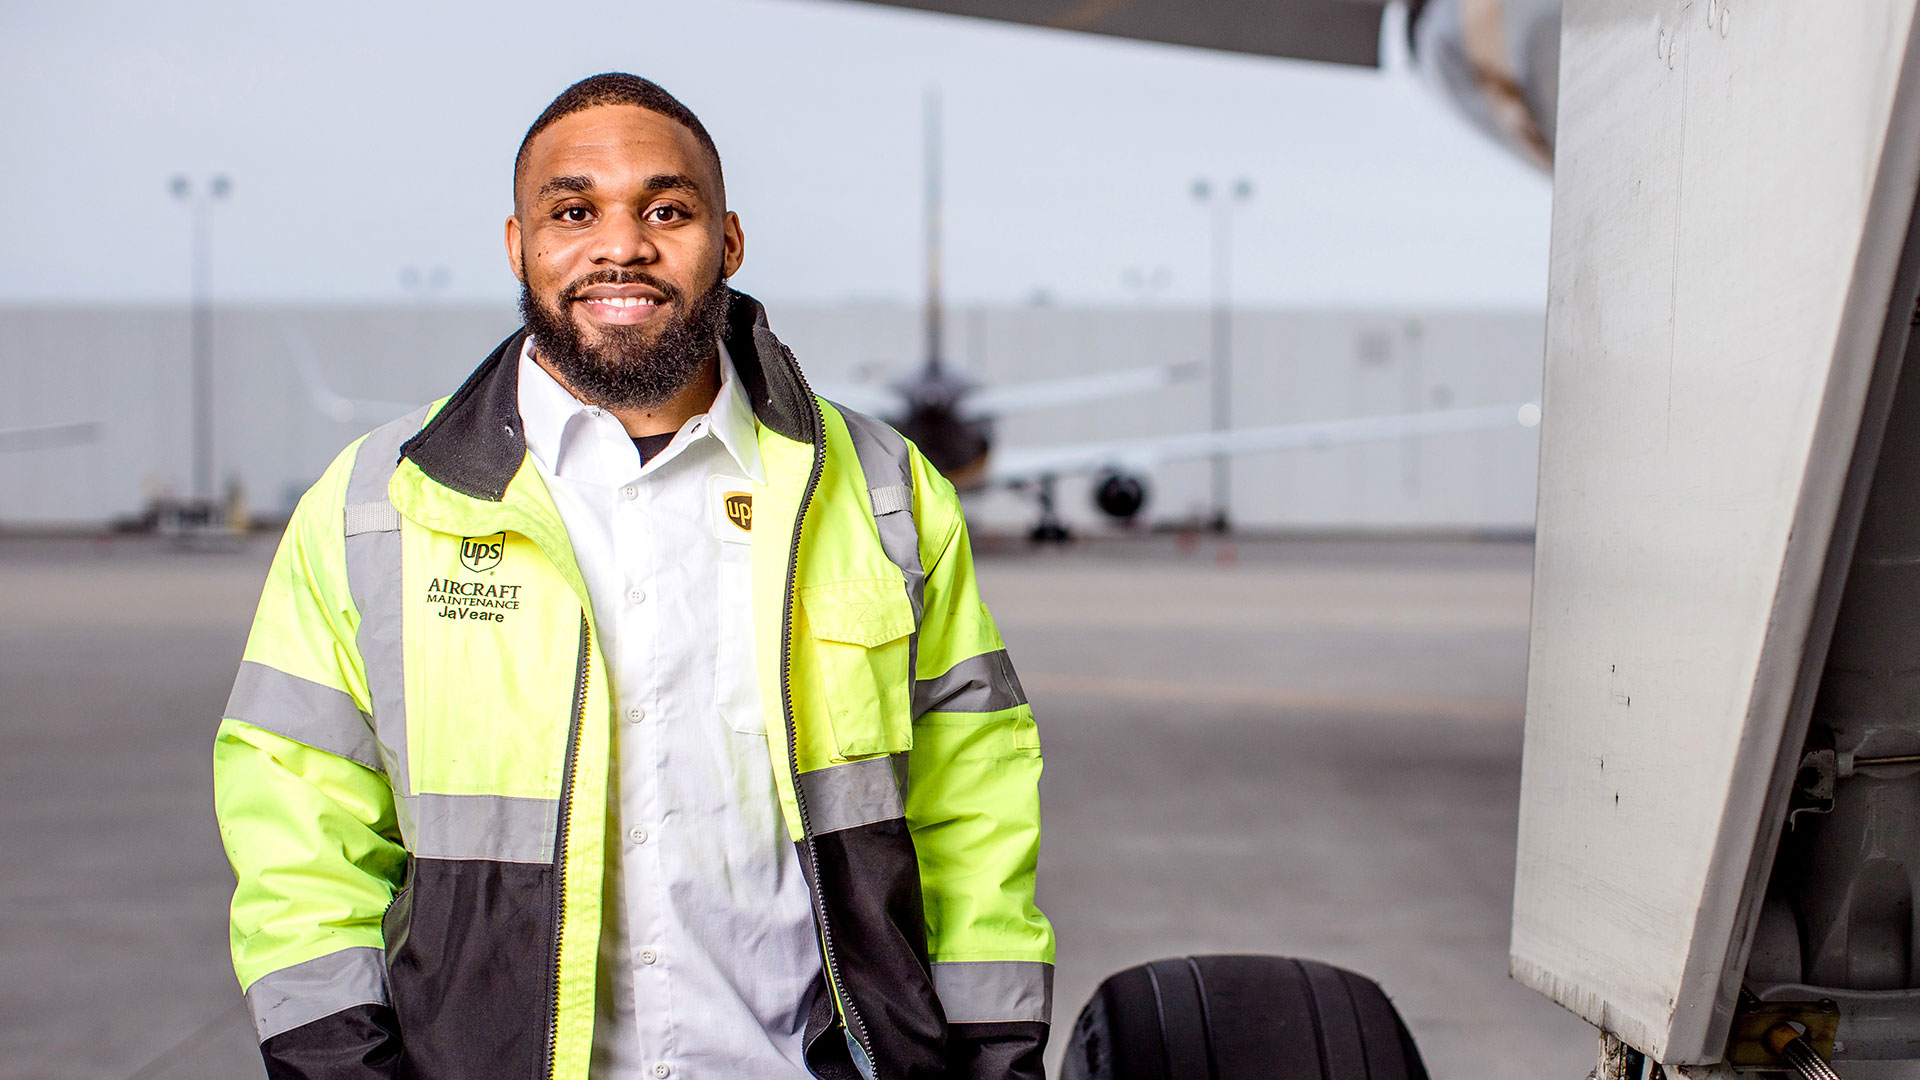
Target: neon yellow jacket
x,y
414,805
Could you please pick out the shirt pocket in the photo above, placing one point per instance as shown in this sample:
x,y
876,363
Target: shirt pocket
x,y
736,686
861,635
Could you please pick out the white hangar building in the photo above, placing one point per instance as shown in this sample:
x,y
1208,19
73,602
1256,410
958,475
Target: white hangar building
x,y
128,371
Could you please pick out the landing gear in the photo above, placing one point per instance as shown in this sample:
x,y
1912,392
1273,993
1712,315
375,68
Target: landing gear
x,y
1049,530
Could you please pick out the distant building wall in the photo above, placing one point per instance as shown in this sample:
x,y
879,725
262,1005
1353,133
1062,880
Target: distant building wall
x,y
128,369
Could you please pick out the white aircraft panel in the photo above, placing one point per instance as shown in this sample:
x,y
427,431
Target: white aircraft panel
x,y
1728,213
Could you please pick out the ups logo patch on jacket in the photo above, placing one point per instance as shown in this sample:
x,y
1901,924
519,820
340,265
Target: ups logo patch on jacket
x,y
491,657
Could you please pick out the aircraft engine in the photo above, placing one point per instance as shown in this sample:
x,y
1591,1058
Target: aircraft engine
x,y
1497,62
1119,495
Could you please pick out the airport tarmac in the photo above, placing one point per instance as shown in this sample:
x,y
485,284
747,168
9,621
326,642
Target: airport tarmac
x,y
1310,749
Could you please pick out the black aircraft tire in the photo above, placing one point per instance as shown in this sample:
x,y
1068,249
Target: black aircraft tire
x,y
1240,1018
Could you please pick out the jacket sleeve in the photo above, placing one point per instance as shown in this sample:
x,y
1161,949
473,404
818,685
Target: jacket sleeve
x,y
307,817
973,806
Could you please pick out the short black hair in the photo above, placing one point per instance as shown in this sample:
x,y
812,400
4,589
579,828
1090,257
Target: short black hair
x,y
616,88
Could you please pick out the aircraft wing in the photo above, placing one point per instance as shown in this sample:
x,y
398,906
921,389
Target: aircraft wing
x,y
879,402
47,436
1333,31
322,396
1023,465
996,401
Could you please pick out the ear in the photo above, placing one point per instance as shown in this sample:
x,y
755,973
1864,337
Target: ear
x,y
736,245
516,260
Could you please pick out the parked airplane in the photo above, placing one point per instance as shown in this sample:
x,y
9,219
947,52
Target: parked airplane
x,y
951,417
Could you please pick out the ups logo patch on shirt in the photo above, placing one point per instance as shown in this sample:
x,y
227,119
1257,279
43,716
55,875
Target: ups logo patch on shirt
x,y
739,508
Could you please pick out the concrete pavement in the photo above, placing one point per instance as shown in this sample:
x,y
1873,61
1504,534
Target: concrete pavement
x,y
1313,751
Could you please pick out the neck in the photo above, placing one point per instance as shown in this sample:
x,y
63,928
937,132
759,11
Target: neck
x,y
670,415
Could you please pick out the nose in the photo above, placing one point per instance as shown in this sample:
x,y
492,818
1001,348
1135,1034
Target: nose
x,y
624,240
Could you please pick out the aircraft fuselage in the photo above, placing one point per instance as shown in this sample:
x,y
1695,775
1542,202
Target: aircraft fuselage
x,y
953,442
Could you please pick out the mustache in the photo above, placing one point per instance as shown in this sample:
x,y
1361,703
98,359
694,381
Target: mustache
x,y
615,276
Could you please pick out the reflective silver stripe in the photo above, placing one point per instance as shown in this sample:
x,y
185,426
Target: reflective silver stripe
x,y
379,453
978,684
887,464
850,795
994,991
891,499
494,827
372,517
302,710
373,577
294,996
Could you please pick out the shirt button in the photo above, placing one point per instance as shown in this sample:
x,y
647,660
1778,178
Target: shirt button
x,y
636,595
639,836
631,491
636,714
660,1071
648,956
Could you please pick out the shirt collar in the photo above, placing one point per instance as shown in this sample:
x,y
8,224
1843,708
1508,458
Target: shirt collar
x,y
733,421
556,422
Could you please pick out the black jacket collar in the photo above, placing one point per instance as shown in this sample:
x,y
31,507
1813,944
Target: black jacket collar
x,y
475,443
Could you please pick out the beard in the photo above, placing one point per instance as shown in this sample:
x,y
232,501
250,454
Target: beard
x,y
628,367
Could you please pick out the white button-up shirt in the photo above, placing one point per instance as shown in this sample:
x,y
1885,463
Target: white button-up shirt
x,y
708,953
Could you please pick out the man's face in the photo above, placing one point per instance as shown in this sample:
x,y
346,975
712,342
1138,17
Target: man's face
x,y
621,239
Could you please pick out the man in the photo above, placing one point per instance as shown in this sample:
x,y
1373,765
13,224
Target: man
x,y
632,712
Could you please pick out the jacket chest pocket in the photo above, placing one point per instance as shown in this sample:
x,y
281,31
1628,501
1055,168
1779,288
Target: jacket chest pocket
x,y
861,634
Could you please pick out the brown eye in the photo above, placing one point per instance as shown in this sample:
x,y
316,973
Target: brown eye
x,y
665,212
573,215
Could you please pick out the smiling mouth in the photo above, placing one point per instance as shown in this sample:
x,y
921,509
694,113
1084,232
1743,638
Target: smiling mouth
x,y
620,310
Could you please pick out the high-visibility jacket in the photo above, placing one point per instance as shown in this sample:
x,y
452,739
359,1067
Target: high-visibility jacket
x,y
412,772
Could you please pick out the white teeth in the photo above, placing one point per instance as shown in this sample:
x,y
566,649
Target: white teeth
x,y
623,301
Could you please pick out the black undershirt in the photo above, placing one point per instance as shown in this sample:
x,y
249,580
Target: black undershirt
x,y
649,445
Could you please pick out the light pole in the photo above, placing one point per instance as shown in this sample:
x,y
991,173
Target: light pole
x,y
1222,200
200,201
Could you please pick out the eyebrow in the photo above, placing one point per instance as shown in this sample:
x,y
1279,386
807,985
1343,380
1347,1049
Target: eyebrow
x,y
577,184
674,182
558,184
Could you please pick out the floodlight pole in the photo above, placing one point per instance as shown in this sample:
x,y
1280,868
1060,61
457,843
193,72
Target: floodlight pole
x,y
936,331
200,203
1221,377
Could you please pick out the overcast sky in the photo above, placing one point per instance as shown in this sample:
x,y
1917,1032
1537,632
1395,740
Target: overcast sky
x,y
364,138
